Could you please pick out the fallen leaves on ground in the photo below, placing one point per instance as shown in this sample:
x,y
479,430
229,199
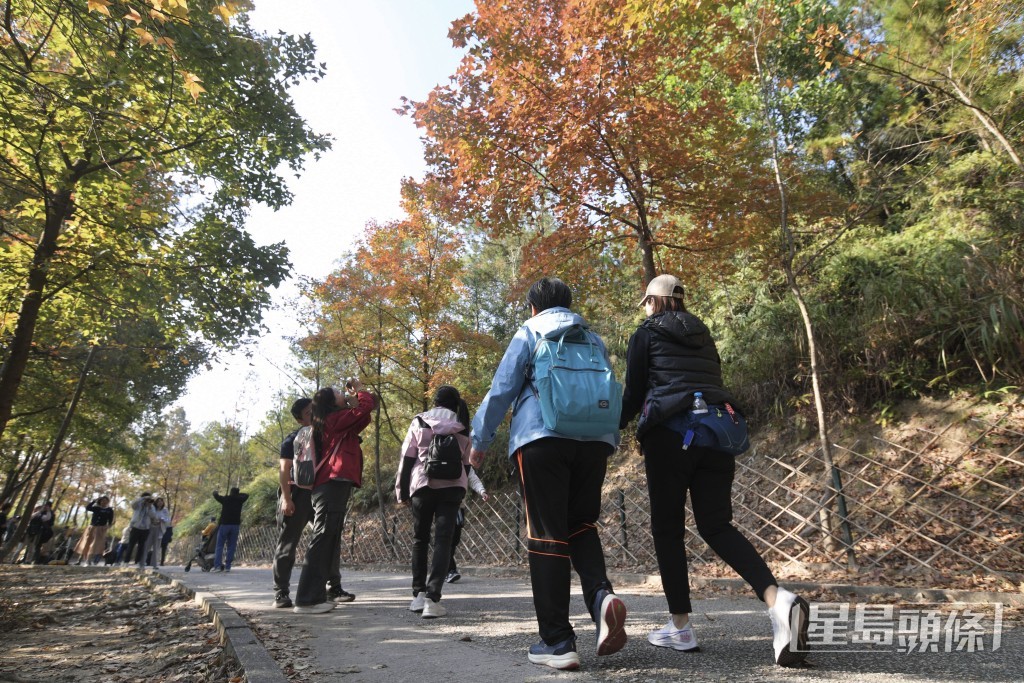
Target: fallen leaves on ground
x,y
84,624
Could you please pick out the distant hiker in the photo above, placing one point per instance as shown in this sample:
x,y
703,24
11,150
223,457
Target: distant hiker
x,y
122,545
337,420
228,527
161,522
294,508
674,375
5,509
164,542
40,530
143,519
460,521
560,477
94,540
432,478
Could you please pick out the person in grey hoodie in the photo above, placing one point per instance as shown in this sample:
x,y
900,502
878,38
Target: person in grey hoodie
x,y
434,502
143,517
560,478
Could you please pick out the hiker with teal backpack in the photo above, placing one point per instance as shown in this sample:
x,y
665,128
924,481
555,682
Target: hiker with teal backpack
x,y
556,378
690,431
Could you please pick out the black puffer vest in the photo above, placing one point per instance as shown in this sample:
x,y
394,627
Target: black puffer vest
x,y
681,359
681,350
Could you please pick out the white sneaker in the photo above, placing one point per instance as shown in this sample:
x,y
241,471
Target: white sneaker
x,y
789,616
314,609
418,602
432,610
682,639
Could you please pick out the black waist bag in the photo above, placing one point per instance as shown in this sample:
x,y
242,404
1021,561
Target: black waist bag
x,y
720,429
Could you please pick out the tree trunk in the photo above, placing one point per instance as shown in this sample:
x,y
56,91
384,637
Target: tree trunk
x,y
985,120
58,441
647,254
388,540
831,474
24,332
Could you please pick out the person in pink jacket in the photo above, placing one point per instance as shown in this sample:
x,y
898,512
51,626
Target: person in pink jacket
x,y
337,420
439,433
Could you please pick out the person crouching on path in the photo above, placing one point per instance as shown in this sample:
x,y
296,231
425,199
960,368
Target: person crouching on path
x,y
560,478
434,501
228,526
94,541
337,421
670,358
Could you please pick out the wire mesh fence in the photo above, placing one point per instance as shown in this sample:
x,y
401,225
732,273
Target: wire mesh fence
x,y
946,500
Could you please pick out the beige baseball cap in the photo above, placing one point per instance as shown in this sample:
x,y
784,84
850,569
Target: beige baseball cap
x,y
663,285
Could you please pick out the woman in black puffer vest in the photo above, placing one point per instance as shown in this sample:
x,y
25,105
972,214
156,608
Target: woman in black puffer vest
x,y
672,356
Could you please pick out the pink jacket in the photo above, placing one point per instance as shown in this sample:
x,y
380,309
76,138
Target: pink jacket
x,y
341,432
414,452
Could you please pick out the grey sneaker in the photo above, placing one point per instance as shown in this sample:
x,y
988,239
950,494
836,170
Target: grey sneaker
x,y
418,603
561,655
681,639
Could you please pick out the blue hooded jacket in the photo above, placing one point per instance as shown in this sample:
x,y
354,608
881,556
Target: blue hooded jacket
x,y
510,388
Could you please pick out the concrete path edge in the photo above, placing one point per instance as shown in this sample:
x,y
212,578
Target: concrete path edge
x,y
235,634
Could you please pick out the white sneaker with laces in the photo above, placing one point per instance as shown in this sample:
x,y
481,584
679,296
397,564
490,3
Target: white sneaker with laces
x,y
681,639
418,603
790,615
432,610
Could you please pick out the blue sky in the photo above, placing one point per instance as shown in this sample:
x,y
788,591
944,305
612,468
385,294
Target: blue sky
x,y
376,52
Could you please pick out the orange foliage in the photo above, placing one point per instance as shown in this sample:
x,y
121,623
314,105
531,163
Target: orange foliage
x,y
609,124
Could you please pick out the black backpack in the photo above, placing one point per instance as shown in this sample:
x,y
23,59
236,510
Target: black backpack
x,y
444,456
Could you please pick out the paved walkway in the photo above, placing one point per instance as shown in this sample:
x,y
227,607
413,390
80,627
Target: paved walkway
x,y
490,625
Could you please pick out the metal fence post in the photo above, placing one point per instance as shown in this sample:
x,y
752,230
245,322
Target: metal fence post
x,y
622,519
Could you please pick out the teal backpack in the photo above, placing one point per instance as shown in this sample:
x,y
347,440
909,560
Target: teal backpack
x,y
575,384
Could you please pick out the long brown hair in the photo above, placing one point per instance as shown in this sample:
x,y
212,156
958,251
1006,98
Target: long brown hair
x,y
324,403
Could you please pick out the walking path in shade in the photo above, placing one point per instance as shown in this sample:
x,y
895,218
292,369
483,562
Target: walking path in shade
x,y
490,624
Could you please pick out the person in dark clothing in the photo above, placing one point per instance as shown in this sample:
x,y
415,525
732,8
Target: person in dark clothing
x,y
40,530
670,358
5,510
94,540
228,526
560,478
164,542
294,512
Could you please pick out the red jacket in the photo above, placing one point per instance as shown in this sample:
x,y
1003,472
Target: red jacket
x,y
341,437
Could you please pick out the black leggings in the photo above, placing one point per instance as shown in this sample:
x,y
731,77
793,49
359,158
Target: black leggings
x,y
707,475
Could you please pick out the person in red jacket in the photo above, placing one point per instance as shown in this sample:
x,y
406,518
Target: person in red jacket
x,y
337,420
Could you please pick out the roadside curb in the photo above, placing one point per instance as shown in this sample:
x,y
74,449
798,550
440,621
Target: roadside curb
x,y
235,634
